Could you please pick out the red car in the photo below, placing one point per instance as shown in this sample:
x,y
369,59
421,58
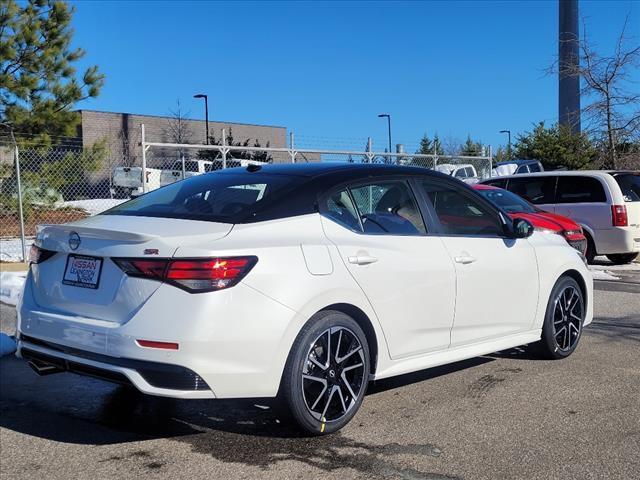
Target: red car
x,y
517,207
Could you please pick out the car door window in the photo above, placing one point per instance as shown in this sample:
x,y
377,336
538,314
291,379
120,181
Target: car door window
x,y
578,189
538,190
460,213
534,167
388,208
339,207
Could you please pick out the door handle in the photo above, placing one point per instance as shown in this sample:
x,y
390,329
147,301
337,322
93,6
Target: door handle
x,y
362,259
465,259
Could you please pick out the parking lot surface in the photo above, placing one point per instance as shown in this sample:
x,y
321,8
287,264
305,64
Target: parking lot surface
x,y
505,415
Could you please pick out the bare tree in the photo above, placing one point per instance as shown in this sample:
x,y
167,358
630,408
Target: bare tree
x,y
178,129
612,112
451,145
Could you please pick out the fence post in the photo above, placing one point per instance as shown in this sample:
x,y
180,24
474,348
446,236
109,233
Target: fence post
x,y
224,149
292,151
435,155
20,210
144,160
490,161
369,149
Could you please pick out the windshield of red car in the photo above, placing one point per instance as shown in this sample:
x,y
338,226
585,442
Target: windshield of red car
x,y
508,201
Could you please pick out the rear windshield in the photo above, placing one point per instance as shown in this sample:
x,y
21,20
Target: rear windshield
x,y
630,185
214,197
508,201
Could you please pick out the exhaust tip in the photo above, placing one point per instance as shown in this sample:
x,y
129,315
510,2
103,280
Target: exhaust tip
x,y
42,368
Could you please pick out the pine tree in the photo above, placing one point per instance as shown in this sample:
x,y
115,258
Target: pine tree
x,y
555,147
427,146
38,81
471,148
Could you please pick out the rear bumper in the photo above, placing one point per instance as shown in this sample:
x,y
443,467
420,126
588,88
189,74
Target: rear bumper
x,y
235,342
617,240
149,377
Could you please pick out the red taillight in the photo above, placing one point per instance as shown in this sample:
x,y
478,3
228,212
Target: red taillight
x,y
39,255
619,215
194,275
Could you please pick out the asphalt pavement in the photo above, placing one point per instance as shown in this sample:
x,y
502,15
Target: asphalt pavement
x,y
502,416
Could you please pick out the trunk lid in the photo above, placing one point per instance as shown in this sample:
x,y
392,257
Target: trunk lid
x,y
116,296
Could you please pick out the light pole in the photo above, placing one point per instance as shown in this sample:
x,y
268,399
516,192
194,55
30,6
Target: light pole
x,y
508,132
206,114
382,115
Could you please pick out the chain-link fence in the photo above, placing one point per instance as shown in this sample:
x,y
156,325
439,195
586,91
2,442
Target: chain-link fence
x,y
44,184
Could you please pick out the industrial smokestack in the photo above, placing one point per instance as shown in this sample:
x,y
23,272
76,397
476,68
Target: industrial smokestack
x,y
568,61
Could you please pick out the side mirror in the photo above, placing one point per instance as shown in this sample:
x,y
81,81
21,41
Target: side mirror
x,y
522,228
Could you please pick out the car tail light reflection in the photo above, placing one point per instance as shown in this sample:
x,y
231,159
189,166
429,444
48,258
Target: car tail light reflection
x,y
193,275
154,344
619,215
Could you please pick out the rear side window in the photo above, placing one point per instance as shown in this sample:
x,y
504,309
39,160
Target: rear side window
x,y
214,197
340,208
534,167
382,208
579,189
629,185
523,169
461,214
538,190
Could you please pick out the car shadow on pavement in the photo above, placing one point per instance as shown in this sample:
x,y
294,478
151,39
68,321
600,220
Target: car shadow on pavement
x,y
80,410
69,408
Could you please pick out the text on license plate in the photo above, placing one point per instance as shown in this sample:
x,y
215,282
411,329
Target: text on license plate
x,y
82,271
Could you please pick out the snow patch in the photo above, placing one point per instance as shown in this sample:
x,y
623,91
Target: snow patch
x,y
603,275
94,206
11,286
11,249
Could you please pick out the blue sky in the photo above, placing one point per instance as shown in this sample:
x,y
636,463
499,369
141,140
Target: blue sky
x,y
326,69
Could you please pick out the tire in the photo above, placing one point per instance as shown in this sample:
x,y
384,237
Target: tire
x,y
323,394
622,258
590,254
561,331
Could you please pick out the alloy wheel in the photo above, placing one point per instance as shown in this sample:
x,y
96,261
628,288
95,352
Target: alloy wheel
x,y
333,374
567,318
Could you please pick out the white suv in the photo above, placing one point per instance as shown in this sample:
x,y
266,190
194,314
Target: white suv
x,y
605,203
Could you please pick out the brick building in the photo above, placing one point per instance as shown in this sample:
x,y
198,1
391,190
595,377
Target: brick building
x,y
122,132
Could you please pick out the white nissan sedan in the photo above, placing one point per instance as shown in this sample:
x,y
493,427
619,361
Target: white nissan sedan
x,y
298,281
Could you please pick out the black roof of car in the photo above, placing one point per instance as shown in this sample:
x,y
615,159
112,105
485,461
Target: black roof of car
x,y
316,169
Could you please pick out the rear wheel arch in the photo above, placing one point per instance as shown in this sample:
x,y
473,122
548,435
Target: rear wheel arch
x,y
363,320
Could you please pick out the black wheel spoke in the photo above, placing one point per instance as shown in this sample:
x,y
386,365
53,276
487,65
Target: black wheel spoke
x,y
331,380
567,318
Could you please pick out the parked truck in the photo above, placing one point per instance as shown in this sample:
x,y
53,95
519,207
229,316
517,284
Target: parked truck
x,y
127,181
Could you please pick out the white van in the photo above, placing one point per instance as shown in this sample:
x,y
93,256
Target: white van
x,y
605,203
